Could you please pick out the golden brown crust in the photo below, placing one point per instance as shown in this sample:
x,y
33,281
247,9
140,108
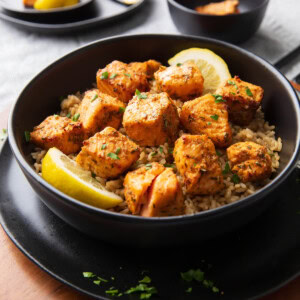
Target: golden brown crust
x,y
121,80
242,98
197,162
59,132
137,183
98,110
108,153
183,82
204,116
250,161
151,119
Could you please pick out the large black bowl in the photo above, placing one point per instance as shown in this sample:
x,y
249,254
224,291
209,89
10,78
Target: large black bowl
x,y
234,28
76,71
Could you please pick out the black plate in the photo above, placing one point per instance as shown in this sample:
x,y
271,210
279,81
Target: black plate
x,y
17,6
246,264
97,13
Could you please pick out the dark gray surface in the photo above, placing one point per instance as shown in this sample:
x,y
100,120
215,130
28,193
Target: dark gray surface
x,y
23,54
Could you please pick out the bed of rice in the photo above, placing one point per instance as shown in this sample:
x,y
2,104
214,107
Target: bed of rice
x,y
258,131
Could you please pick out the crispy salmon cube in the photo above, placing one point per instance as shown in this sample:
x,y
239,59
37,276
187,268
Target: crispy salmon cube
x,y
197,162
207,115
165,196
121,80
243,99
151,119
250,161
98,110
137,183
222,8
59,132
108,153
181,81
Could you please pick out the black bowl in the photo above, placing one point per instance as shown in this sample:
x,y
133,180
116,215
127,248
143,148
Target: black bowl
x,y
233,28
76,71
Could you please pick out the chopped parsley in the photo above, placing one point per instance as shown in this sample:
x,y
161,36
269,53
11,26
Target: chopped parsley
x,y
3,134
113,155
68,115
121,109
88,274
93,175
140,95
118,150
128,75
189,290
218,98
27,136
178,65
215,117
94,98
226,169
235,179
97,282
191,275
218,153
113,76
145,290
169,165
104,75
112,292
248,92
148,166
208,123
215,289
146,279
75,117
161,149
232,93
153,154
232,83
103,146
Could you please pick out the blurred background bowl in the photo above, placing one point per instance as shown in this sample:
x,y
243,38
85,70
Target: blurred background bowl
x,y
235,28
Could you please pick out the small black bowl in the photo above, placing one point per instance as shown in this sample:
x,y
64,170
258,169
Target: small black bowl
x,y
76,72
235,28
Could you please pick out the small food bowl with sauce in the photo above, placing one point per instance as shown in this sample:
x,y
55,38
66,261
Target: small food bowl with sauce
x,y
195,17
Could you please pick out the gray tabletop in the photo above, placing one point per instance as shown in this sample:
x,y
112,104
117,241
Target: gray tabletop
x,y
23,54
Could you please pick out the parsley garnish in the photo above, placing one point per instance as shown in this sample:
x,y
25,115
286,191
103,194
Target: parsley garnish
x,y
75,117
208,123
113,155
112,292
235,179
232,93
113,76
189,290
148,166
248,92
118,150
146,279
103,146
161,149
140,95
215,117
27,136
219,98
128,75
178,65
68,115
145,290
93,175
94,98
97,282
232,83
104,75
169,165
218,153
226,169
190,275
121,109
153,154
88,274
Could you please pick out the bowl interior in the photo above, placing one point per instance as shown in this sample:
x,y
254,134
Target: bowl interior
x,y
244,5
77,72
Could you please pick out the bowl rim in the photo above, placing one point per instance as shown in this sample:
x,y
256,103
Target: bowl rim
x,y
162,220
196,13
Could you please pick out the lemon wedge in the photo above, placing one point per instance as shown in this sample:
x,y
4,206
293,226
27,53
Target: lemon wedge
x,y
213,68
67,176
49,4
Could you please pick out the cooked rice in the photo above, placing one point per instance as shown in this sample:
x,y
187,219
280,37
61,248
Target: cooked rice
x,y
258,131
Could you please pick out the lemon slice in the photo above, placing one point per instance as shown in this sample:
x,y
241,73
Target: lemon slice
x,y
213,68
67,176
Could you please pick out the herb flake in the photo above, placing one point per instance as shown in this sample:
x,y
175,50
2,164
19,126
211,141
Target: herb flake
x,y
103,146
113,76
146,279
121,109
27,136
113,156
235,179
75,117
140,95
218,98
215,117
104,75
232,83
94,98
88,274
248,92
226,169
